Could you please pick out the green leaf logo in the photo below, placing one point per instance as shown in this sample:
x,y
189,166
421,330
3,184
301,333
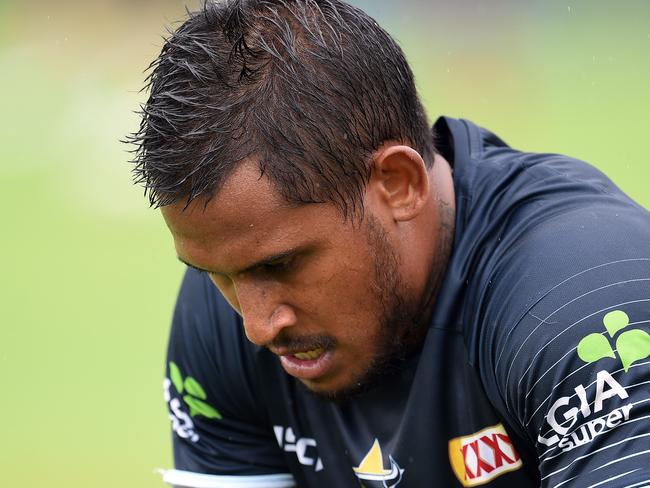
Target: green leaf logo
x,y
195,396
194,388
176,376
594,347
632,345
615,321
197,407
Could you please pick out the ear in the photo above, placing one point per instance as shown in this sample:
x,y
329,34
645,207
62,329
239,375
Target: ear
x,y
400,180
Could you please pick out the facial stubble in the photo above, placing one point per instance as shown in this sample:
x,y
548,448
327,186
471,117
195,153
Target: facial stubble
x,y
401,317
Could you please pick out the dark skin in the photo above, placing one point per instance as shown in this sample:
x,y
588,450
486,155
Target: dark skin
x,y
304,279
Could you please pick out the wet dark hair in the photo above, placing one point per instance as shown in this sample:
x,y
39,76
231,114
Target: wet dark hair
x,y
308,89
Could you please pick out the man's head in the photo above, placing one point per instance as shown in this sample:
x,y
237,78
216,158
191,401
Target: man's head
x,y
286,145
337,301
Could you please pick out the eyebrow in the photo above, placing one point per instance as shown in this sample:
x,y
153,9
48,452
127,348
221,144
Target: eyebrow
x,y
262,262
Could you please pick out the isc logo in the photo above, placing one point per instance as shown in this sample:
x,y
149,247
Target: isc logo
x,y
481,457
304,447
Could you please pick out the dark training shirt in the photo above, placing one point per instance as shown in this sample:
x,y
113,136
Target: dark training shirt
x,y
535,370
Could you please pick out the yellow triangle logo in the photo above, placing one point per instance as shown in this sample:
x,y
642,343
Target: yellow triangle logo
x,y
373,463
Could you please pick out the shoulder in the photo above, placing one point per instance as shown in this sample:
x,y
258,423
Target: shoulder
x,y
554,256
215,395
561,258
199,298
207,343
563,334
532,219
205,320
524,216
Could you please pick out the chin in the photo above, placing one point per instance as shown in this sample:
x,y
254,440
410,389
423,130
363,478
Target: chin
x,y
348,390
338,393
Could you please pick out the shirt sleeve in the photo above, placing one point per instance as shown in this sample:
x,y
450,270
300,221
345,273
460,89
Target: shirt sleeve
x,y
221,433
566,347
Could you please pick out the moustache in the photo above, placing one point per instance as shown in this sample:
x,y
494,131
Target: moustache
x,y
302,343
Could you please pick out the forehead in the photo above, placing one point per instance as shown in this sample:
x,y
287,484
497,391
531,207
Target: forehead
x,y
245,199
247,219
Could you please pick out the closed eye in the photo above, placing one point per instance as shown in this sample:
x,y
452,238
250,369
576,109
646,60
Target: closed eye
x,y
279,265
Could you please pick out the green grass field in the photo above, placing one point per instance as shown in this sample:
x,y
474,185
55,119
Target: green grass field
x,y
90,274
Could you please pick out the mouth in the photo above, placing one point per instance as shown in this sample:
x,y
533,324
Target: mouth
x,y
307,364
307,355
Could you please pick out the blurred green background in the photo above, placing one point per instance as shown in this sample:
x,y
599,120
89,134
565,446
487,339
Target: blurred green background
x,y
90,275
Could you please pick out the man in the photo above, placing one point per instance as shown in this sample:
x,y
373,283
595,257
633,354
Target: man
x,y
373,303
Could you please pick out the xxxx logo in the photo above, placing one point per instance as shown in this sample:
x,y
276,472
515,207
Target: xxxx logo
x,y
631,345
480,457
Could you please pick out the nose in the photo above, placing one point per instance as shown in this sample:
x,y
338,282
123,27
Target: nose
x,y
263,312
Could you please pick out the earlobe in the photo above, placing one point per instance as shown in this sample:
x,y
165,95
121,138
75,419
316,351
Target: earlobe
x,y
401,180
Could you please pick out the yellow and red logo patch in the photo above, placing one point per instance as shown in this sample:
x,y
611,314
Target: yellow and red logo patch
x,y
480,457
